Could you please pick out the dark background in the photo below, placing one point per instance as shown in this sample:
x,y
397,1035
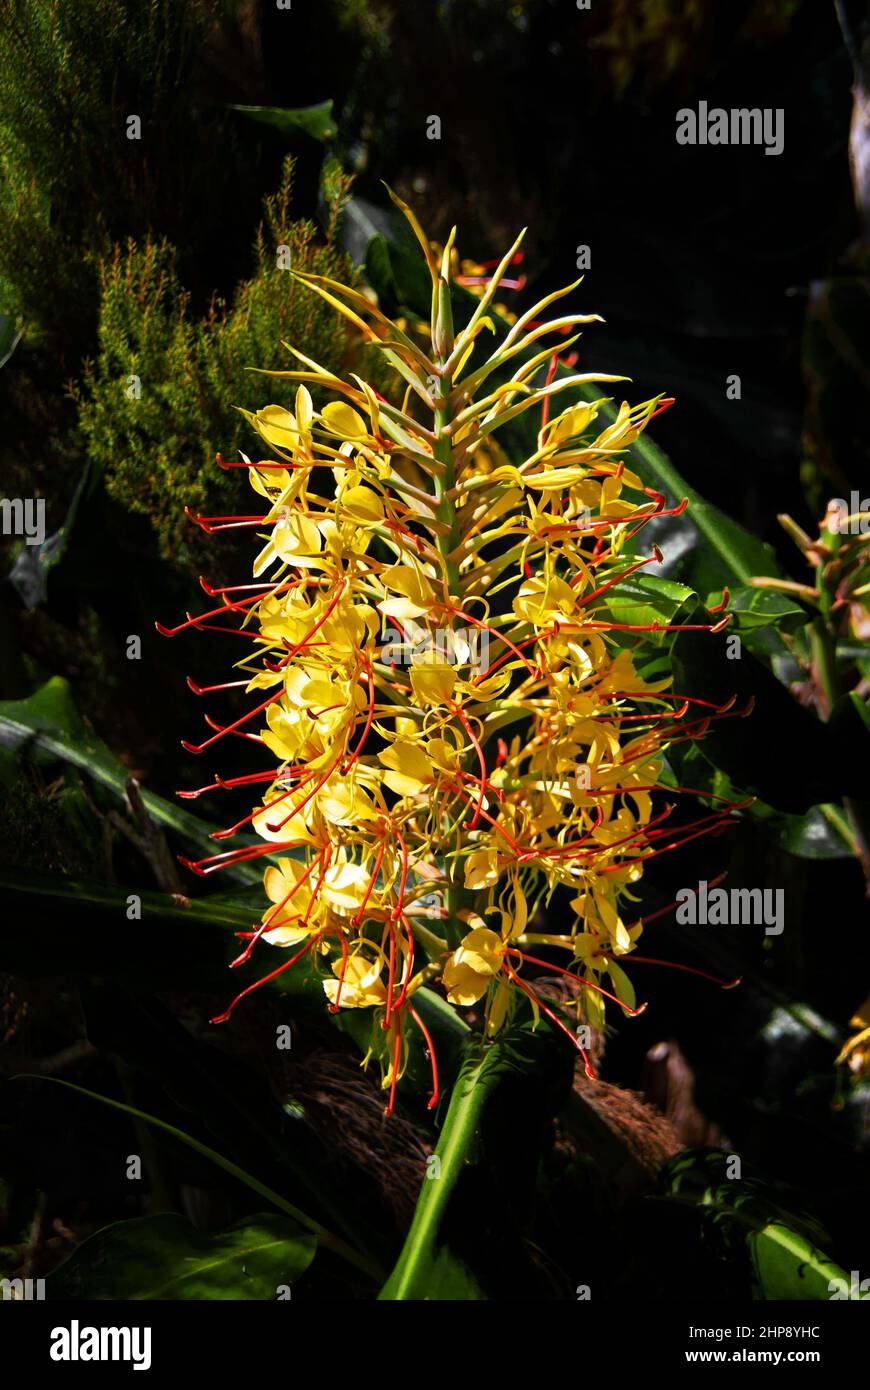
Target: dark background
x,y
705,262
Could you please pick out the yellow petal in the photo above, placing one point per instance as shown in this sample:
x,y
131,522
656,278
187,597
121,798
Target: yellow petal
x,y
344,421
481,869
433,681
462,984
363,504
410,769
277,426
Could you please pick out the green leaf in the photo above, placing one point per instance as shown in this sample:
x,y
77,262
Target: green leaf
x,y
325,1238
787,1265
401,279
60,926
644,599
164,1257
759,608
48,727
738,555
786,1259
316,121
504,1093
34,563
823,833
53,926
779,750
10,337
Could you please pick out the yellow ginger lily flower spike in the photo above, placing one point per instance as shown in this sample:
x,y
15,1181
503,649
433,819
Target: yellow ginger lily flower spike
x,y
445,707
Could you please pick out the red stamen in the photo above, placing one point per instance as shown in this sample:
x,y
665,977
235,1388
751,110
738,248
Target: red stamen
x,y
397,1057
222,1018
433,1061
689,970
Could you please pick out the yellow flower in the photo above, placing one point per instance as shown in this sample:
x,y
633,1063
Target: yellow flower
x,y
470,969
284,887
448,763
856,1051
410,769
357,984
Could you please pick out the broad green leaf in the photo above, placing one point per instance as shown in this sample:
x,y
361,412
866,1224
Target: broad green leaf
x,y
643,600
823,832
325,1238
402,281
316,121
47,726
164,1257
789,1266
737,553
758,608
53,926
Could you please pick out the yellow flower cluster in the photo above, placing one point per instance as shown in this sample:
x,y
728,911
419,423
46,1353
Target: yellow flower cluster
x,y
455,720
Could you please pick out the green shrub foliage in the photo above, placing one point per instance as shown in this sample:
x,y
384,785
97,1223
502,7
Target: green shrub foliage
x,y
161,395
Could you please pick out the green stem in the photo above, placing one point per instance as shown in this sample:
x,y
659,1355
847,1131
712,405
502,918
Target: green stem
x,y
446,510
860,836
824,652
460,1126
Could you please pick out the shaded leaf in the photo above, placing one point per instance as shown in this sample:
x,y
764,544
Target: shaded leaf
x,y
779,751
786,1260
815,835
10,337
325,1237
48,727
316,121
164,1257
729,550
56,926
